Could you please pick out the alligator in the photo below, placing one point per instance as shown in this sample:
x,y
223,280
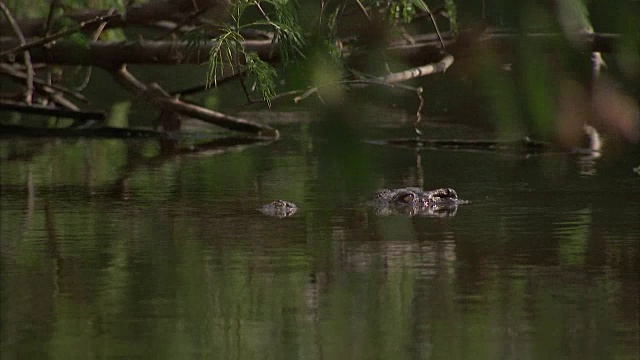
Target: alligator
x,y
279,208
413,201
409,201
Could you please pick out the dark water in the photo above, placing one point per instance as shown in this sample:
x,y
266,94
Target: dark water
x,y
110,250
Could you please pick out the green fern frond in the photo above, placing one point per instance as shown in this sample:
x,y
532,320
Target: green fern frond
x,y
450,5
227,45
262,75
195,38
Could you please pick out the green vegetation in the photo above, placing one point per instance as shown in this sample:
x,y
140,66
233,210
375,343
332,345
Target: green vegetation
x,y
283,50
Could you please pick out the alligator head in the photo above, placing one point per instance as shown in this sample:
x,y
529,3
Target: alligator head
x,y
279,208
415,201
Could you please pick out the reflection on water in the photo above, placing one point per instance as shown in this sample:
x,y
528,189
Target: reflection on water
x,y
173,259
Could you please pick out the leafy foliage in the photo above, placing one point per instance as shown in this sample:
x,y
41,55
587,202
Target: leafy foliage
x,y
262,75
452,11
230,53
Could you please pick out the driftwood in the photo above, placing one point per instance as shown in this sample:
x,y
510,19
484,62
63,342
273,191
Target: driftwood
x,y
593,144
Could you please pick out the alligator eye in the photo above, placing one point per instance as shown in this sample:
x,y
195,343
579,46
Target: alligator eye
x,y
407,198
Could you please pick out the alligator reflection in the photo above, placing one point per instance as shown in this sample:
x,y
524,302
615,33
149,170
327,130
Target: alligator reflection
x,y
430,211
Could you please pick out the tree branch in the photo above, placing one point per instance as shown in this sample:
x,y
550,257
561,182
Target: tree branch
x,y
142,14
113,54
17,74
58,35
426,49
27,57
392,79
425,70
156,95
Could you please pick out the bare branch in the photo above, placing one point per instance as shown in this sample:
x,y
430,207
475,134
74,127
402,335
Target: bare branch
x,y
28,96
364,10
392,79
425,70
199,88
419,92
139,14
156,95
58,35
17,74
182,23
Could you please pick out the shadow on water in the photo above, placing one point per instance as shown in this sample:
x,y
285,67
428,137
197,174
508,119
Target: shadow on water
x,y
114,248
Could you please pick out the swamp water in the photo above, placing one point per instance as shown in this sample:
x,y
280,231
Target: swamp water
x,y
109,250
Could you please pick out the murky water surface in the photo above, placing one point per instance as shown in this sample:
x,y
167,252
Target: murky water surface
x,y
111,250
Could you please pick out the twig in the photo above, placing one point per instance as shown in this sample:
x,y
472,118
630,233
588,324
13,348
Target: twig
x,y
364,10
28,96
200,88
306,94
392,79
246,91
26,46
279,96
435,25
52,8
425,70
182,23
52,91
17,74
419,92
352,83
264,14
95,37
